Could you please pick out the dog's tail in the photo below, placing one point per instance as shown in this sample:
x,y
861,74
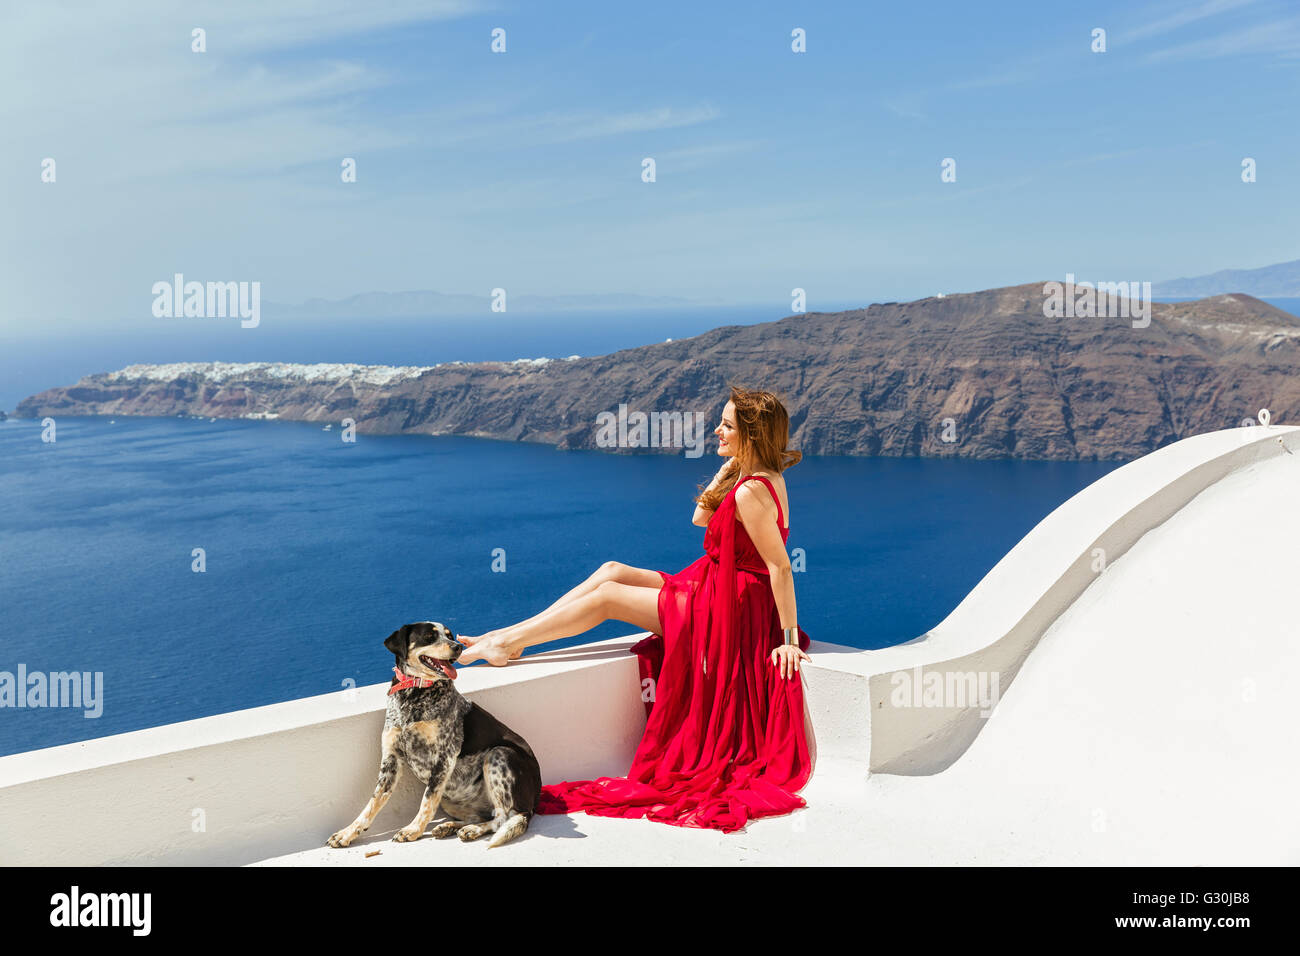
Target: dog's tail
x,y
512,828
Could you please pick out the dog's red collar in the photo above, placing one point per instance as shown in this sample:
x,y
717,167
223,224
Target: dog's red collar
x,y
405,680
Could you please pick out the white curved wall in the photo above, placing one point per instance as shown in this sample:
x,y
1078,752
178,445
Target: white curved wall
x,y
994,629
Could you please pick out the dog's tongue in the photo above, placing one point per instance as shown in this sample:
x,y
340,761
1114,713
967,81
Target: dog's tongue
x,y
448,669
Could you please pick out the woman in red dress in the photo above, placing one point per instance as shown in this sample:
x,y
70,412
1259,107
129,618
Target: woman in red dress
x,y
725,738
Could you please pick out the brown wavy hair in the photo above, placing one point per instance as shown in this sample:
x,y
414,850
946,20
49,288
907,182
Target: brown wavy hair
x,y
764,428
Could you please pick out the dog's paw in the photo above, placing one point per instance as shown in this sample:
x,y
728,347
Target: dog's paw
x,y
343,837
471,832
443,830
408,834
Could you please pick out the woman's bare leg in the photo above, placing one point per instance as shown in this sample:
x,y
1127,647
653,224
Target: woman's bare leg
x,y
609,600
609,571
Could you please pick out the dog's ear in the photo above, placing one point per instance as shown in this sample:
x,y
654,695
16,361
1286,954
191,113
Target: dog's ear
x,y
399,640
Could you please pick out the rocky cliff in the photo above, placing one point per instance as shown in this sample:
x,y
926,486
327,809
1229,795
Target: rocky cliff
x,y
981,375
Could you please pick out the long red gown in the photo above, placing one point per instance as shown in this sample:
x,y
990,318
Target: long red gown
x,y
725,738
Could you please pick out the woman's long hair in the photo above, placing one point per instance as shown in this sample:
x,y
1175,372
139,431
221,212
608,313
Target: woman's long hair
x,y
764,428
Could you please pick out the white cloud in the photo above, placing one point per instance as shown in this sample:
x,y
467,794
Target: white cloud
x,y
1182,16
1280,37
569,127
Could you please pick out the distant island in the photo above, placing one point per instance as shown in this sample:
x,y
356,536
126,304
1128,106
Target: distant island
x,y
978,375
1277,281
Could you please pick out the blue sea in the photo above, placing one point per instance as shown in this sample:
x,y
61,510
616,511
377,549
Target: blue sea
x,y
316,550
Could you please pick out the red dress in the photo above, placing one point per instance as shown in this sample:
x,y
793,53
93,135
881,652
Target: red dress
x,y
725,737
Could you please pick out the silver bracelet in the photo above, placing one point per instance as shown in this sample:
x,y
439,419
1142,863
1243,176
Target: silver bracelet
x,y
791,635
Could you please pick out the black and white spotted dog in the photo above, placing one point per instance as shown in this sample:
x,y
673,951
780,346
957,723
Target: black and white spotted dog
x,y
476,769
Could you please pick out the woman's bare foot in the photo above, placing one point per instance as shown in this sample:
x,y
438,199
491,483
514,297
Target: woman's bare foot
x,y
491,647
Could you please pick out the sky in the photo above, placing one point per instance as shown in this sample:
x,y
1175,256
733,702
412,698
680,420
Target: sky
x,y
522,169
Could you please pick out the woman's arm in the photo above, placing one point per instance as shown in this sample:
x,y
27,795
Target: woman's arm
x,y
757,511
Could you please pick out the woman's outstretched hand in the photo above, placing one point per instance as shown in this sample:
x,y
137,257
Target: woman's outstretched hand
x,y
788,658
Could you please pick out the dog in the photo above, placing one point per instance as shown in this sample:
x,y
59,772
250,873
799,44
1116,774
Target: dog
x,y
477,770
